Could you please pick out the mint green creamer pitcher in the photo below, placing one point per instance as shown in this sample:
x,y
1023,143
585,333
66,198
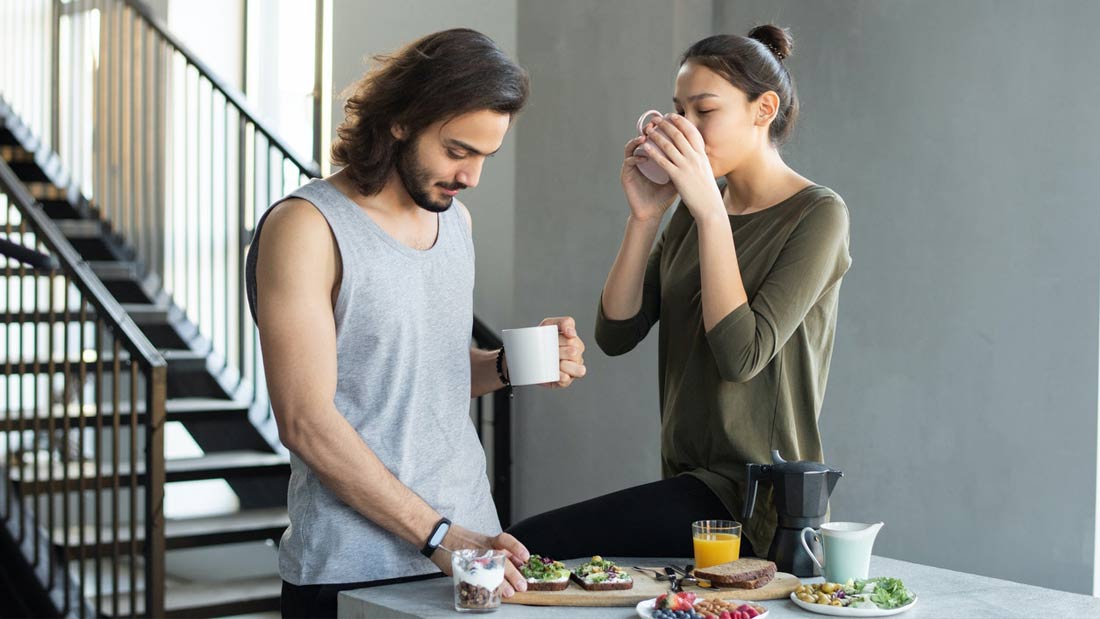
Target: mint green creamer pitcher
x,y
846,547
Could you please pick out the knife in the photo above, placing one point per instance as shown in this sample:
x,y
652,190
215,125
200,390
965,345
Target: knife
x,y
675,580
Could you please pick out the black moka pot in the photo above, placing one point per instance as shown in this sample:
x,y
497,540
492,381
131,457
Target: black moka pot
x,y
801,496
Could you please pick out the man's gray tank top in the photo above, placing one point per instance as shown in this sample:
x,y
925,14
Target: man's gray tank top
x,y
403,323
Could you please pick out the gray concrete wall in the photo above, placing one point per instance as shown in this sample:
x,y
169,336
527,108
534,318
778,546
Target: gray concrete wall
x,y
363,28
595,66
963,398
962,404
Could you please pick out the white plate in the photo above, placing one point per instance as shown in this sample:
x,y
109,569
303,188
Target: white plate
x,y
645,608
840,611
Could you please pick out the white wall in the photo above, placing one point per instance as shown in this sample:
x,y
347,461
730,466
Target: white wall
x,y
365,28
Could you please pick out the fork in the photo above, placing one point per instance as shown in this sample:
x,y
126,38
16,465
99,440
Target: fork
x,y
657,574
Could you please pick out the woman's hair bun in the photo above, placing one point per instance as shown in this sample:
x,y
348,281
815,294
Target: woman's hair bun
x,y
774,38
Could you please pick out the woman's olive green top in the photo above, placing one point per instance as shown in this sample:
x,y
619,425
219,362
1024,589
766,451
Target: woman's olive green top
x,y
754,382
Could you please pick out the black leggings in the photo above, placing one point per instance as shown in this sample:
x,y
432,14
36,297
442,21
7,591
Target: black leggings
x,y
653,520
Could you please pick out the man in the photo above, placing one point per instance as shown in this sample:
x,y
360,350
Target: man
x,y
361,286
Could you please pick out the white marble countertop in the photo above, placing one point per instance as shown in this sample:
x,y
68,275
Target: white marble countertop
x,y
940,594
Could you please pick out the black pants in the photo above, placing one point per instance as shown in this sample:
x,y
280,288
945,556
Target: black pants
x,y
653,520
319,601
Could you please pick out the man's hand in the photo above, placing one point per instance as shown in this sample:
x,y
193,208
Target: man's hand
x,y
570,351
459,537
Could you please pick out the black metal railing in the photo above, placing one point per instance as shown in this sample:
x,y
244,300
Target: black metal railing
x,y
493,420
172,157
79,378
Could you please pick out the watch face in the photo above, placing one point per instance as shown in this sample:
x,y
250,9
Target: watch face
x,y
440,533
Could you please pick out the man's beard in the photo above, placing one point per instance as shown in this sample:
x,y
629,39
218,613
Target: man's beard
x,y
417,180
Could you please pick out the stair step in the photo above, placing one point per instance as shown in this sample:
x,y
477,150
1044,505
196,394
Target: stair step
x,y
143,314
218,465
146,313
179,361
46,191
13,154
176,409
115,269
184,360
81,228
245,526
201,600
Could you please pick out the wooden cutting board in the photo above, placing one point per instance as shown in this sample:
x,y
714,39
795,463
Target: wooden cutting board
x,y
646,587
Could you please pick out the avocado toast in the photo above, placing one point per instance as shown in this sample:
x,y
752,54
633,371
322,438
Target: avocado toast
x,y
545,574
601,575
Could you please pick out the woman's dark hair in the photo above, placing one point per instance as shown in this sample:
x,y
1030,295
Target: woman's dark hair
x,y
438,77
754,65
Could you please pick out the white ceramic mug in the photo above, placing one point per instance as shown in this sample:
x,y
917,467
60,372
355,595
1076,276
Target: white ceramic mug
x,y
532,355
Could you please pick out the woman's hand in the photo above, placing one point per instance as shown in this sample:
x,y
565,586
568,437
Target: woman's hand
x,y
677,146
648,201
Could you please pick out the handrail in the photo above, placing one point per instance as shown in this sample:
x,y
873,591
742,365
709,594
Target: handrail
x,y
82,275
485,336
232,95
63,475
40,263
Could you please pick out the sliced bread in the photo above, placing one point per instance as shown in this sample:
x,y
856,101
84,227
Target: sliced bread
x,y
743,573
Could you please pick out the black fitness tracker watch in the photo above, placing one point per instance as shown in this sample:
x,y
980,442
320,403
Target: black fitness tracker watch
x,y
436,537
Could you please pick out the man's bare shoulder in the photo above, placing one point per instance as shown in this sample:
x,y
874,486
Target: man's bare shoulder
x,y
297,229
295,239
295,217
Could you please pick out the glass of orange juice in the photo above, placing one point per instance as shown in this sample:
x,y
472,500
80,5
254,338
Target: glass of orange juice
x,y
716,541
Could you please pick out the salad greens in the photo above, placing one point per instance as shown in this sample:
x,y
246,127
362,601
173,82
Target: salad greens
x,y
544,568
884,592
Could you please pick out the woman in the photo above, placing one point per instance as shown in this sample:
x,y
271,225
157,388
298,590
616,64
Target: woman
x,y
745,282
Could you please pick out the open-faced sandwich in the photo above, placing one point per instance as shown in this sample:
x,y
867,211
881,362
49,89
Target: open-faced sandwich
x,y
545,574
742,573
600,575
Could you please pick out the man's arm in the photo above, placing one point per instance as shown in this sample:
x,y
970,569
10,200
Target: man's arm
x,y
295,275
483,372
484,377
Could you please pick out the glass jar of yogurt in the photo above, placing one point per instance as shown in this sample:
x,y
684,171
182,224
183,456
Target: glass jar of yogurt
x,y
478,577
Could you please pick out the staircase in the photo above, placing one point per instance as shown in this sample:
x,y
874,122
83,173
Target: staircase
x,y
141,175
199,396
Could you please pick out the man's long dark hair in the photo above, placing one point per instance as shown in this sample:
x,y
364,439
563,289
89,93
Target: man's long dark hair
x,y
438,77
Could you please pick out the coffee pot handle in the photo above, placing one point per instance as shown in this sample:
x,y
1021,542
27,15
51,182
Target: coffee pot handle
x,y
806,547
756,472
